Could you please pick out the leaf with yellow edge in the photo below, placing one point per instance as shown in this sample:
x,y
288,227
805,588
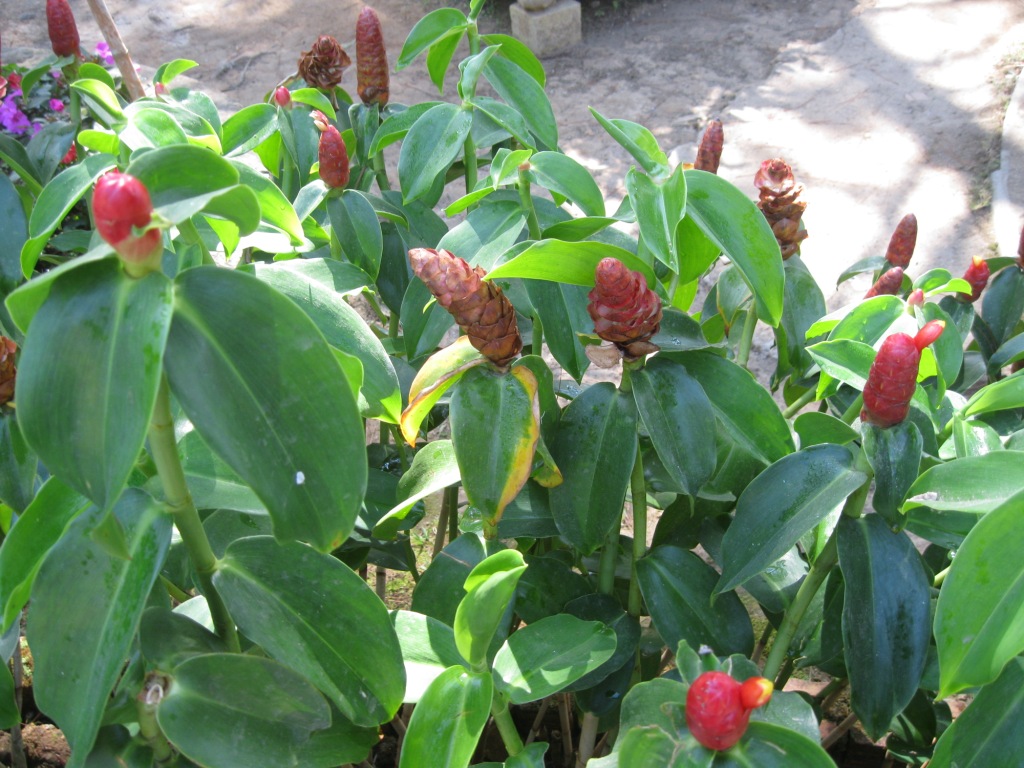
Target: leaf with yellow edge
x,y
438,374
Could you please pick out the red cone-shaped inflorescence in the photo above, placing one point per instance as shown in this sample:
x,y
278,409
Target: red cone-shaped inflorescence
x,y
121,206
893,376
709,153
779,201
8,372
372,78
331,152
624,310
888,284
902,243
977,275
323,65
283,97
718,707
60,23
478,306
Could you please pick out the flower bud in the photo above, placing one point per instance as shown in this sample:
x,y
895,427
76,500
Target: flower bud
x,y
323,65
333,156
372,78
60,23
893,375
709,153
977,275
902,243
121,207
624,310
8,371
779,201
718,707
283,97
916,298
888,284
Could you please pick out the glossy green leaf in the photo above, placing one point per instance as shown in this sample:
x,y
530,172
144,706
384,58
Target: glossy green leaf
x,y
814,428
248,127
677,587
518,88
636,140
659,207
976,484
342,742
148,128
13,233
886,630
1003,303
518,52
95,346
310,466
979,619
273,207
487,232
225,709
895,457
350,654
436,594
782,504
729,218
1009,352
649,745
774,746
319,286
433,469
745,409
428,649
605,609
679,418
446,725
36,531
432,144
424,321
435,377
546,586
546,656
567,262
18,464
562,310
13,153
50,145
561,174
86,606
428,31
987,733
594,447
490,590
101,100
166,638
356,226
211,482
997,396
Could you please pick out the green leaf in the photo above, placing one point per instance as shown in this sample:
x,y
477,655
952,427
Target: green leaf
x,y
166,73
594,446
338,636
987,733
310,465
355,224
563,314
211,482
975,484
998,396
319,286
13,233
428,649
567,262
677,587
886,619
433,469
36,531
730,220
84,617
446,725
518,88
18,464
343,742
495,422
776,746
437,375
148,128
248,128
101,100
490,590
636,140
895,457
166,638
272,207
659,207
782,504
430,147
745,409
815,428
435,595
979,616
428,31
679,418
546,656
605,609
225,709
488,232
95,346
546,586
13,153
1003,303
518,52
561,174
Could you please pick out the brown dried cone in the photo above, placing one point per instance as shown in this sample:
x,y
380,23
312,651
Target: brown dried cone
x,y
624,310
478,306
372,78
323,65
780,203
7,370
903,241
888,284
709,153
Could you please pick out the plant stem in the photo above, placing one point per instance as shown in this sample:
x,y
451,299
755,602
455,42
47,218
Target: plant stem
x,y
506,727
538,720
526,201
854,410
442,525
831,692
797,405
379,172
785,673
288,177
563,718
537,345
638,492
164,450
149,729
941,577
451,495
588,737
609,558
747,339
840,730
176,592
761,643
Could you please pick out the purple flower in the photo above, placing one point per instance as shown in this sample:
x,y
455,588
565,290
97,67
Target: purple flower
x,y
12,118
56,105
104,54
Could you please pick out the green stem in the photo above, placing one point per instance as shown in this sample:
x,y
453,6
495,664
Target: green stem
x,y
797,405
149,729
853,411
609,558
785,673
526,201
288,177
451,498
747,339
506,727
941,577
537,344
176,592
382,317
403,454
379,172
638,492
186,518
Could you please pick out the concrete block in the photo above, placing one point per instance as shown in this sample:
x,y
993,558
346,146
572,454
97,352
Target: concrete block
x,y
548,31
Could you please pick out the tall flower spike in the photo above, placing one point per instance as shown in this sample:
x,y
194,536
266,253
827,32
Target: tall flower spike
x,y
893,375
888,284
709,153
781,204
478,306
902,243
624,310
323,65
60,23
8,372
372,78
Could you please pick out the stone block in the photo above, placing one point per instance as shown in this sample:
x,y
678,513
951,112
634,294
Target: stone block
x,y
548,31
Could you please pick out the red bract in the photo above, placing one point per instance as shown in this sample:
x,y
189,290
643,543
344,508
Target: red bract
x,y
903,241
60,23
323,65
624,310
779,201
709,154
977,275
332,154
121,204
718,707
893,375
888,284
8,372
372,78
